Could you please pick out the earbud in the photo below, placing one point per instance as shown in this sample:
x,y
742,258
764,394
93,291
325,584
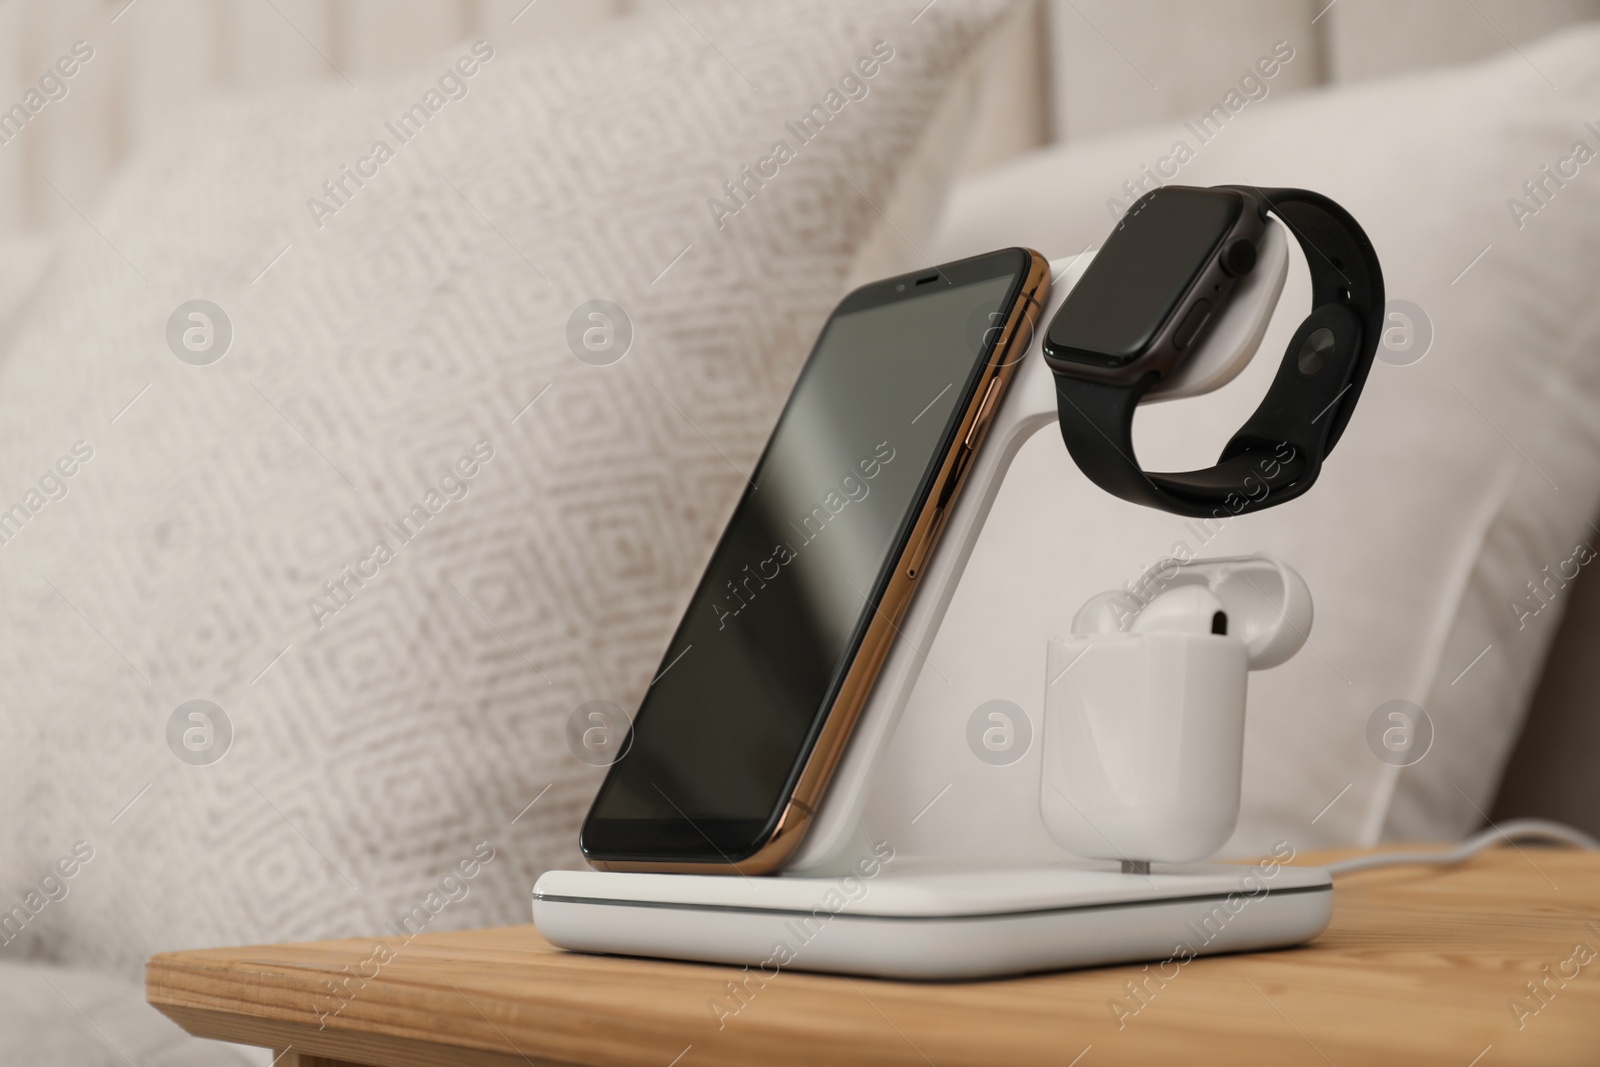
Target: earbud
x,y
1257,599
1188,609
1108,613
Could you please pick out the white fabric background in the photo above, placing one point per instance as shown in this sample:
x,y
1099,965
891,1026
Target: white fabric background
x,y
1070,68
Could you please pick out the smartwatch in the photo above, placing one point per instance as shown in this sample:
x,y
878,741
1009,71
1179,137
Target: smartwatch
x,y
1170,264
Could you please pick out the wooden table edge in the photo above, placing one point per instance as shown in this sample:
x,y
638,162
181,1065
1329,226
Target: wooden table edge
x,y
177,985
297,1045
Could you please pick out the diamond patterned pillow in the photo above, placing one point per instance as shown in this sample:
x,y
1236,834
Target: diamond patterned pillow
x,y
322,465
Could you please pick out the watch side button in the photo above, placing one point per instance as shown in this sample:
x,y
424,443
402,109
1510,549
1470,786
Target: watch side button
x,y
1191,324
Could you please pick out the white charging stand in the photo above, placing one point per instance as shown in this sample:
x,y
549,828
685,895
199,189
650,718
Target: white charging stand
x,y
848,903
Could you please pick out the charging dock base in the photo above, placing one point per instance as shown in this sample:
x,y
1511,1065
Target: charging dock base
x,y
940,915
937,924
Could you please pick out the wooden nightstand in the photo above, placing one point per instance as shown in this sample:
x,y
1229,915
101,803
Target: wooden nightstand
x,y
1420,965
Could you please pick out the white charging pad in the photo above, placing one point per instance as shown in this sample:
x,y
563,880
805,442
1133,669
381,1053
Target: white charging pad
x,y
932,916
936,925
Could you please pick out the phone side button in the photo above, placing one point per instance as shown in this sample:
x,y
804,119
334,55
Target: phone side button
x,y
985,412
929,536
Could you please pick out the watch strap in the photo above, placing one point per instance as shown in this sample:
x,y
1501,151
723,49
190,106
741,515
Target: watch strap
x,y
1278,452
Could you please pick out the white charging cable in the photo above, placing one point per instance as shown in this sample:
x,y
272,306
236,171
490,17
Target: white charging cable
x,y
1515,830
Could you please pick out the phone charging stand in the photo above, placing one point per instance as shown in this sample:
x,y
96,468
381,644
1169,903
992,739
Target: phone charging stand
x,y
850,902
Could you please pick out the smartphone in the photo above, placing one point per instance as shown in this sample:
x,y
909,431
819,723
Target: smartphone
x,y
732,747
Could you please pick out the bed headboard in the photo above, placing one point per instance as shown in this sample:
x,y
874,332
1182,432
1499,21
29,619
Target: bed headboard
x,y
1064,68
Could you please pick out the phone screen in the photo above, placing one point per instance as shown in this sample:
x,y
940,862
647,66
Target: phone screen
x,y
771,631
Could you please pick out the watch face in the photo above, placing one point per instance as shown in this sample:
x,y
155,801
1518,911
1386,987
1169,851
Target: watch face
x,y
1136,281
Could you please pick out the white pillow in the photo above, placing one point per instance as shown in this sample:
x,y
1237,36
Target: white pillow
x,y
378,742
1460,477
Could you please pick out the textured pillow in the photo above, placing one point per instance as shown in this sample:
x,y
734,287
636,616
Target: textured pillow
x,y
1463,477
402,372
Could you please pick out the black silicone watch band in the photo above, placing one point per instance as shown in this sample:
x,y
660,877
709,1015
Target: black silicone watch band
x,y
1278,453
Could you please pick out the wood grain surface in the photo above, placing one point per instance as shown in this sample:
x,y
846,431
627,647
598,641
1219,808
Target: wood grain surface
x,y
1419,966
